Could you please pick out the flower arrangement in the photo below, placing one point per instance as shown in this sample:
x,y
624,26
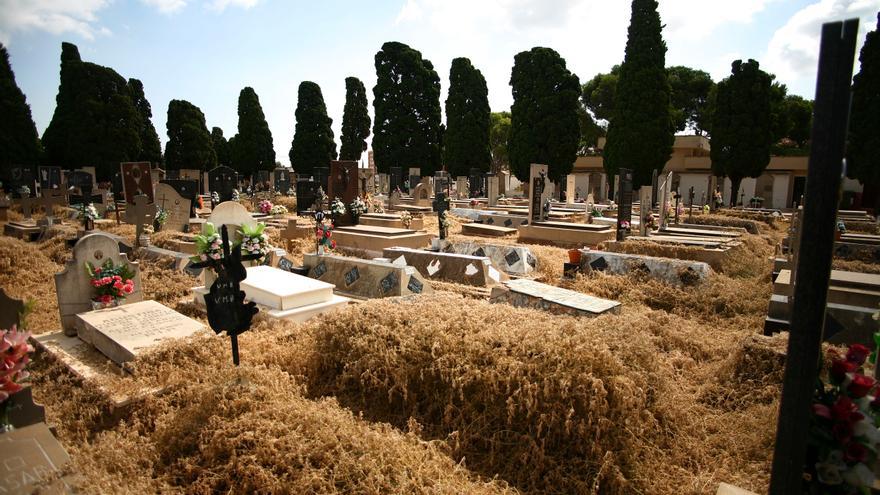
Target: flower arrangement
x,y
24,191
357,207
337,208
376,205
406,219
236,195
265,206
278,210
444,223
111,282
15,350
595,212
844,435
161,215
322,236
215,198
290,192
111,205
86,211
253,240
624,225
209,245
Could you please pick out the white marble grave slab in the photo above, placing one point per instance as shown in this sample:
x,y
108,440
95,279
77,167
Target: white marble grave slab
x,y
564,297
281,290
122,333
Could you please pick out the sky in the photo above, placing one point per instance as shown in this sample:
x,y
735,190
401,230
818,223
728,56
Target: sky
x,y
206,51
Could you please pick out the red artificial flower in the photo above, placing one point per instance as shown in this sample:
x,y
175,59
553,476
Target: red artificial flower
x,y
98,271
860,386
839,369
855,452
842,431
332,244
822,411
328,233
843,408
857,353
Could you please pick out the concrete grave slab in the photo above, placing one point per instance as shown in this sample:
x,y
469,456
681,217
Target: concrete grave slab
x,y
511,259
366,279
526,293
675,272
451,267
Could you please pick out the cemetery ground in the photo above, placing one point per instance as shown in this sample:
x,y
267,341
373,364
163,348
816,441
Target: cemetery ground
x,y
439,393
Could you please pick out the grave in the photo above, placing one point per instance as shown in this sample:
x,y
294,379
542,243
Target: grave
x,y
17,177
125,332
373,239
188,189
343,184
140,213
680,273
136,180
710,250
415,177
492,193
461,188
524,293
281,180
451,267
476,184
30,461
540,230
283,295
511,259
177,207
422,195
395,179
73,286
391,220
50,178
367,180
306,195
485,230
223,180
232,214
364,278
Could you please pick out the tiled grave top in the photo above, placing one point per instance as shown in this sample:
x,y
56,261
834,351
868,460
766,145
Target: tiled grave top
x,y
376,230
572,226
560,296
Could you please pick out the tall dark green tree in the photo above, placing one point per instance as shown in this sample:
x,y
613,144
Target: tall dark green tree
x,y
313,144
151,149
355,120
742,125
499,133
690,97
544,125
598,94
189,144
19,144
221,147
641,131
800,116
253,144
466,139
864,121
406,99
95,122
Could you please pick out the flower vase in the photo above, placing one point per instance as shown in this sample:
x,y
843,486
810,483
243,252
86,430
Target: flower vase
x,y
320,250
355,218
96,305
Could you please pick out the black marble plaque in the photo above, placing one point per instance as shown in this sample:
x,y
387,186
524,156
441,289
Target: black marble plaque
x,y
352,276
512,257
414,285
320,270
387,283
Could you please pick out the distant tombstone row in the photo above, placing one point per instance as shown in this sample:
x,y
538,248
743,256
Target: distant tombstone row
x,y
282,180
223,180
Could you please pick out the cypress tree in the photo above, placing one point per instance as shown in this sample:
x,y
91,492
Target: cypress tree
x,y
544,125
95,120
254,149
466,140
742,125
641,131
19,144
406,98
312,144
151,149
355,120
189,144
864,120
221,147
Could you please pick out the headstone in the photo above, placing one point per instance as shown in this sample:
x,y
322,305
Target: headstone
x,y
442,182
461,187
136,181
665,186
10,310
441,206
139,213
322,177
306,194
177,207
537,194
422,195
384,183
393,199
624,208
367,178
81,181
645,210
223,180
188,189
281,180
50,177
116,185
396,178
654,188
17,177
124,332
261,180
493,189
157,174
232,214
344,185
475,178
30,459
570,186
172,174
73,286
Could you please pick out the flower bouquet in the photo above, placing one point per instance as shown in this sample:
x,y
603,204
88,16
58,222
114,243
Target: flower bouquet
x,y
236,196
337,209
278,210
254,241
215,198
15,350
844,435
86,211
444,224
265,206
322,237
406,219
357,208
161,216
112,283
209,245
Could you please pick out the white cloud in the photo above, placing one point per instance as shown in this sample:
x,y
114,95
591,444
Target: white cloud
x,y
166,6
793,52
53,16
220,5
697,19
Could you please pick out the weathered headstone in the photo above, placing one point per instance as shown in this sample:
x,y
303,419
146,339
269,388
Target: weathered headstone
x,y
232,214
222,180
140,213
367,178
624,208
136,180
422,195
461,187
10,310
187,189
441,206
73,286
50,177
569,189
396,178
492,194
30,457
281,180
537,195
50,198
176,206
344,185
645,210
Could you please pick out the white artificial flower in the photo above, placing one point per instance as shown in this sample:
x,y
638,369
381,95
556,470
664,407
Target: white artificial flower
x,y
859,476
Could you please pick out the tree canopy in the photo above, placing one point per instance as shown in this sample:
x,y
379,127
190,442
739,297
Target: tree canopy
x,y
95,122
221,147
313,144
641,130
598,94
355,120
864,122
254,149
151,148
19,144
499,133
466,139
690,96
189,144
406,99
544,116
742,124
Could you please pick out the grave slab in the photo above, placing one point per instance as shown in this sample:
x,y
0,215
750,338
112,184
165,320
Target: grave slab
x,y
373,239
390,220
511,259
484,230
451,267
29,456
364,278
524,293
280,289
125,332
675,272
565,234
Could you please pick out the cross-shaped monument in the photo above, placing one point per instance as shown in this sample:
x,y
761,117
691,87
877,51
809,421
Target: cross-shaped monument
x,y
140,213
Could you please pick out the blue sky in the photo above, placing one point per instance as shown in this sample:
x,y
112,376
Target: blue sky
x,y
205,51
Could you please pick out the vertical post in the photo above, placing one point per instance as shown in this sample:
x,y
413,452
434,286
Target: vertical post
x,y
814,259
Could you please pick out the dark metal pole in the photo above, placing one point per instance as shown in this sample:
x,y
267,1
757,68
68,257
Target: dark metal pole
x,y
814,260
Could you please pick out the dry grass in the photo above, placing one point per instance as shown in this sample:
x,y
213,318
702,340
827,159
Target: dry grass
x,y
751,226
